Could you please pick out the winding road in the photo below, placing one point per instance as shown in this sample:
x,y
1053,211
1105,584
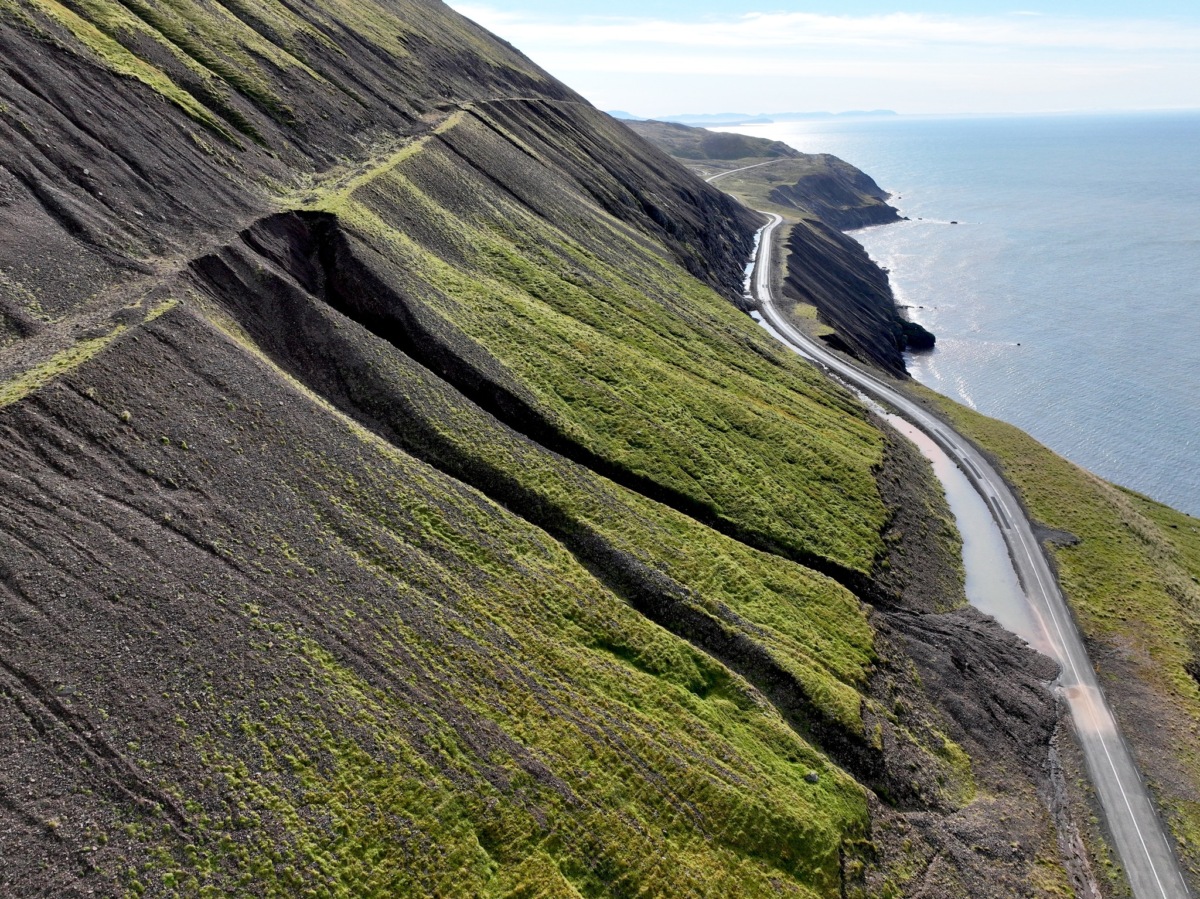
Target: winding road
x,y
1138,834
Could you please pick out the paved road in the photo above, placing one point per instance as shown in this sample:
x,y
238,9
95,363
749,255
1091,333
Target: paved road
x,y
756,165
1138,833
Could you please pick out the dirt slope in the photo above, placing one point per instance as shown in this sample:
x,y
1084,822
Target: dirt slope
x,y
395,502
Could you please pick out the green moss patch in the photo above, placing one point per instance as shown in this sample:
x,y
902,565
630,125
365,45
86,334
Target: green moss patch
x,y
628,358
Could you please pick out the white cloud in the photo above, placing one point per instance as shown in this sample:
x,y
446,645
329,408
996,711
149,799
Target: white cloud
x,y
905,61
774,30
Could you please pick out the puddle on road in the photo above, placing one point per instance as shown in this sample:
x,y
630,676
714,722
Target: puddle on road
x,y
992,584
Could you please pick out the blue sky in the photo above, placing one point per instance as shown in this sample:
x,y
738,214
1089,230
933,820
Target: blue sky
x,y
692,56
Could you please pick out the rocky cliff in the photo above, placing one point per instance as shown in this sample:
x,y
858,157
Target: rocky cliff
x,y
838,194
831,271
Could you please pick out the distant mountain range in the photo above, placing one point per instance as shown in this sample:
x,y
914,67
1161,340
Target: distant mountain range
x,y
741,118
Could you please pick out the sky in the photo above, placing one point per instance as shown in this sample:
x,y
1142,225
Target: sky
x,y
670,57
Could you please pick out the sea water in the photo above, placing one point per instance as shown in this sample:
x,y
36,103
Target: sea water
x,y
1067,298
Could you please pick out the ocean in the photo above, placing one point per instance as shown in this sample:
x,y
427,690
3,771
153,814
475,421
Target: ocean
x,y
1067,298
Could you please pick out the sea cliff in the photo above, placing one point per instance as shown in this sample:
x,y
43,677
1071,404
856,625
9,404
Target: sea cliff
x,y
820,197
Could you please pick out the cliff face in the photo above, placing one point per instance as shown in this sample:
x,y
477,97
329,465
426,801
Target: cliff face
x,y
833,272
825,268
394,502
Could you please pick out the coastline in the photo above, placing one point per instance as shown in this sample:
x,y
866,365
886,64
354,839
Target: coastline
x,y
1134,824
1068,317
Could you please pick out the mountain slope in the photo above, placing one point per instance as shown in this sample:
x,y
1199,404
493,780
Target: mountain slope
x,y
820,196
396,502
699,144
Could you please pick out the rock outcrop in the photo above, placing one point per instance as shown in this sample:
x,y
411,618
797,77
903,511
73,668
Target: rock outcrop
x,y
831,271
838,194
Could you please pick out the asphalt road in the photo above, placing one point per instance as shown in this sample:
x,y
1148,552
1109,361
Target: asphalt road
x,y
1138,834
756,165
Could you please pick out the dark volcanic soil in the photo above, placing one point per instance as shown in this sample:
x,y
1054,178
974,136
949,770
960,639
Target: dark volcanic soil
x,y
315,579
831,271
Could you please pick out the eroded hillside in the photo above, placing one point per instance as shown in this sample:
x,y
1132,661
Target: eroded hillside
x,y
395,501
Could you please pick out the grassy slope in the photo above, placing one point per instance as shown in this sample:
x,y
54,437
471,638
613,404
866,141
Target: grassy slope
x,y
278,799
249,646
702,145
754,186
207,52
636,361
1133,581
370,628
336,614
514,282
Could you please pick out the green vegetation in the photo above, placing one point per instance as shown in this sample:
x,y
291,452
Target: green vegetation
x,y
634,360
25,299
455,535
700,144
814,628
121,60
812,187
754,187
640,364
1133,582
333,194
205,52
535,729
489,839
67,360
772,176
